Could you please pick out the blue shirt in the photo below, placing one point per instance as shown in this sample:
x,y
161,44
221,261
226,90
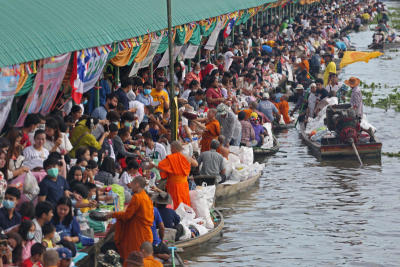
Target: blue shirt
x,y
72,229
6,222
123,98
99,113
144,100
53,190
157,220
169,217
268,108
278,97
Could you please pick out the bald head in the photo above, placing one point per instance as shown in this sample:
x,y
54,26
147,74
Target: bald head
x,y
147,249
50,258
176,147
140,181
211,114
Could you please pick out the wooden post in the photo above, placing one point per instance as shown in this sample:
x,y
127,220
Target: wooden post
x,y
172,103
97,99
189,65
151,71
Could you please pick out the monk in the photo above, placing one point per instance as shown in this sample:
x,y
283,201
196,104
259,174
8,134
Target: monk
x,y
176,168
211,130
148,260
133,225
283,108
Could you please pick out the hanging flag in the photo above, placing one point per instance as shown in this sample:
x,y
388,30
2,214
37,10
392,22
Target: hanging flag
x,y
8,83
87,68
351,57
45,87
229,27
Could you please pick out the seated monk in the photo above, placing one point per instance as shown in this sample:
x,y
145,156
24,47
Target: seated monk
x,y
283,108
211,130
133,226
148,260
176,168
222,149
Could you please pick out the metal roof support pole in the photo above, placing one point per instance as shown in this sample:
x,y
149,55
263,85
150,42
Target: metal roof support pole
x,y
97,99
262,18
172,103
151,71
116,78
189,65
233,35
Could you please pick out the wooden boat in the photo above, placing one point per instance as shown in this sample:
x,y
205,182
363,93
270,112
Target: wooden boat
x,y
202,239
264,152
384,46
366,150
227,190
281,127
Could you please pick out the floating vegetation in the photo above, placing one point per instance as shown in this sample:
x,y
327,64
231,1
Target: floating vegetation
x,y
391,155
391,101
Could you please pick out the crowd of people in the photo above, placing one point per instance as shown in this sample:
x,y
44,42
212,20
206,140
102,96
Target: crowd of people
x,y
62,165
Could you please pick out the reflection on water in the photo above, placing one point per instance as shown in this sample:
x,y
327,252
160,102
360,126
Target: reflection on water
x,y
308,212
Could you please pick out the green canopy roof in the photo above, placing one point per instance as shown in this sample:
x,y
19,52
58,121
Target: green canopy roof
x,y
37,29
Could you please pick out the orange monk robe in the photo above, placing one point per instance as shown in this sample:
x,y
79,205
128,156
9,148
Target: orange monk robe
x,y
213,130
248,113
283,108
305,65
133,225
176,168
151,262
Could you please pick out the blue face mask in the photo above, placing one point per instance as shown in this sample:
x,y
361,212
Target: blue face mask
x,y
73,201
83,169
96,159
85,102
128,124
53,172
30,236
116,122
147,91
93,197
8,204
176,93
200,102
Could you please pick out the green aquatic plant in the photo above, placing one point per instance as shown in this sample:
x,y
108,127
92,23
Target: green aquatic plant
x,y
391,155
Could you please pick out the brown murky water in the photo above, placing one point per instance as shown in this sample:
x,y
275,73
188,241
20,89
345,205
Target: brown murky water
x,y
307,212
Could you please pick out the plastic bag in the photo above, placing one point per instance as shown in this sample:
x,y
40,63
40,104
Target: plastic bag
x,y
186,233
202,199
185,212
246,155
31,187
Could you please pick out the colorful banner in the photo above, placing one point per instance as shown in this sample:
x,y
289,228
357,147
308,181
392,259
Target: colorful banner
x,y
191,51
212,40
165,59
87,67
9,77
155,43
45,88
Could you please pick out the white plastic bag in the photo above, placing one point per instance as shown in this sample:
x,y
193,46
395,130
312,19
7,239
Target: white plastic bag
x,y
246,155
186,233
31,187
202,199
185,212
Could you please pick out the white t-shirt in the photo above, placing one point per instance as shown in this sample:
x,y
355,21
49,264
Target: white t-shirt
x,y
34,158
158,152
186,93
228,60
65,144
139,106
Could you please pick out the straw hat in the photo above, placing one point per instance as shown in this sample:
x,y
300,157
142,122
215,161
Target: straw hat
x,y
222,109
162,198
352,82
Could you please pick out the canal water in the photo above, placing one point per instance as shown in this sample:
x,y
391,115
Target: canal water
x,y
307,212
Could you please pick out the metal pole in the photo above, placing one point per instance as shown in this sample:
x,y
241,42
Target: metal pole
x,y
233,34
97,99
151,71
172,106
189,65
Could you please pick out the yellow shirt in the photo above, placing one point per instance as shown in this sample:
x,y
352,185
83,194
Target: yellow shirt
x,y
331,68
87,209
48,242
157,96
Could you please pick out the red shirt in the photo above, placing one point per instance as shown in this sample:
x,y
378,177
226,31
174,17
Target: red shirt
x,y
29,263
214,93
25,140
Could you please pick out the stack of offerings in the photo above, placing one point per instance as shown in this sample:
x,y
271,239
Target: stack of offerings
x,y
240,165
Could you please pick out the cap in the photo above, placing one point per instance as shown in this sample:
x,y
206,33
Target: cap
x,y
64,253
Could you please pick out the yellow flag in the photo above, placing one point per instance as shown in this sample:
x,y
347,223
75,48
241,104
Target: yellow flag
x,y
351,57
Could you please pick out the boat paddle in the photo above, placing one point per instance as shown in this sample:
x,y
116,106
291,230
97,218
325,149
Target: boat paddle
x,y
355,151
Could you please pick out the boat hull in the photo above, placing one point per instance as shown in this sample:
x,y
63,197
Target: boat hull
x,y
201,240
365,150
260,152
228,190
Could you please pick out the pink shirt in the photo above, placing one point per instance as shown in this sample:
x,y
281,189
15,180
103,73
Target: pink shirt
x,y
26,250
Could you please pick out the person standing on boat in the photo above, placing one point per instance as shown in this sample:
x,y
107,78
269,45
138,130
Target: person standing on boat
x,y
312,100
267,107
211,130
133,226
213,162
330,67
356,96
176,168
230,125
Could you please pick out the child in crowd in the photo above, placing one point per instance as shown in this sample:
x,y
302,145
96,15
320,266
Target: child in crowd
x,y
49,232
36,258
